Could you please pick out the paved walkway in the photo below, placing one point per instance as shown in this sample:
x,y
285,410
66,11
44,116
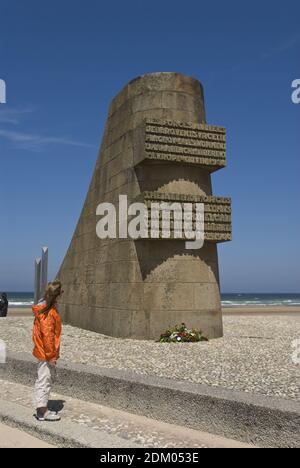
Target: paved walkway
x,y
111,425
11,437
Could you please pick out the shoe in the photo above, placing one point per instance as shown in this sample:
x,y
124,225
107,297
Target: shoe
x,y
48,416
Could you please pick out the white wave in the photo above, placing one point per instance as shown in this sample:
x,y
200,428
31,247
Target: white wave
x,y
16,304
254,304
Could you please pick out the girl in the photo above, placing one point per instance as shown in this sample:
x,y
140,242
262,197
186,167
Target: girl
x,y
46,338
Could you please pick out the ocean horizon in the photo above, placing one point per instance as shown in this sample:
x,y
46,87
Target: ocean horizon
x,y
25,299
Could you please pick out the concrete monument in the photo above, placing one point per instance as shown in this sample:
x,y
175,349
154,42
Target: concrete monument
x,y
156,147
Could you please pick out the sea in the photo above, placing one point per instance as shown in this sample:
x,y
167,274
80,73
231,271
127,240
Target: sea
x,y
25,299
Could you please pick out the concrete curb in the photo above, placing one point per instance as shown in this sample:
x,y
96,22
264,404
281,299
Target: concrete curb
x,y
251,418
61,434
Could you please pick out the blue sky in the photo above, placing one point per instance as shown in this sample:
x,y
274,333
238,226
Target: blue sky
x,y
63,61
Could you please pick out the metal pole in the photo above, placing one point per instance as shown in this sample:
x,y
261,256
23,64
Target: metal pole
x,y
37,280
44,271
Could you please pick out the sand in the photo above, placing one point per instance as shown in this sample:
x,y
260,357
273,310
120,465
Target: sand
x,y
268,310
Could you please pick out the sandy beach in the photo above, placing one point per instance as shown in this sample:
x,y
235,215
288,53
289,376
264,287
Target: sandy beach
x,y
272,310
26,311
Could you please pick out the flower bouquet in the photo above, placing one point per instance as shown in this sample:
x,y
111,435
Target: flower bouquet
x,y
181,334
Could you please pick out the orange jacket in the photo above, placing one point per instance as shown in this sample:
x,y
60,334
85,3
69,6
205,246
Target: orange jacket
x,y
46,333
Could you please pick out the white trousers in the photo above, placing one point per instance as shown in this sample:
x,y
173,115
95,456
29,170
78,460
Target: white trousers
x,y
43,384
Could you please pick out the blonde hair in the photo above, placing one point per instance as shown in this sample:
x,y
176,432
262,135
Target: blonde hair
x,y
52,292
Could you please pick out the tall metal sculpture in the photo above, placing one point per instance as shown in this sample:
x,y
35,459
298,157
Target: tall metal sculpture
x,y
41,275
